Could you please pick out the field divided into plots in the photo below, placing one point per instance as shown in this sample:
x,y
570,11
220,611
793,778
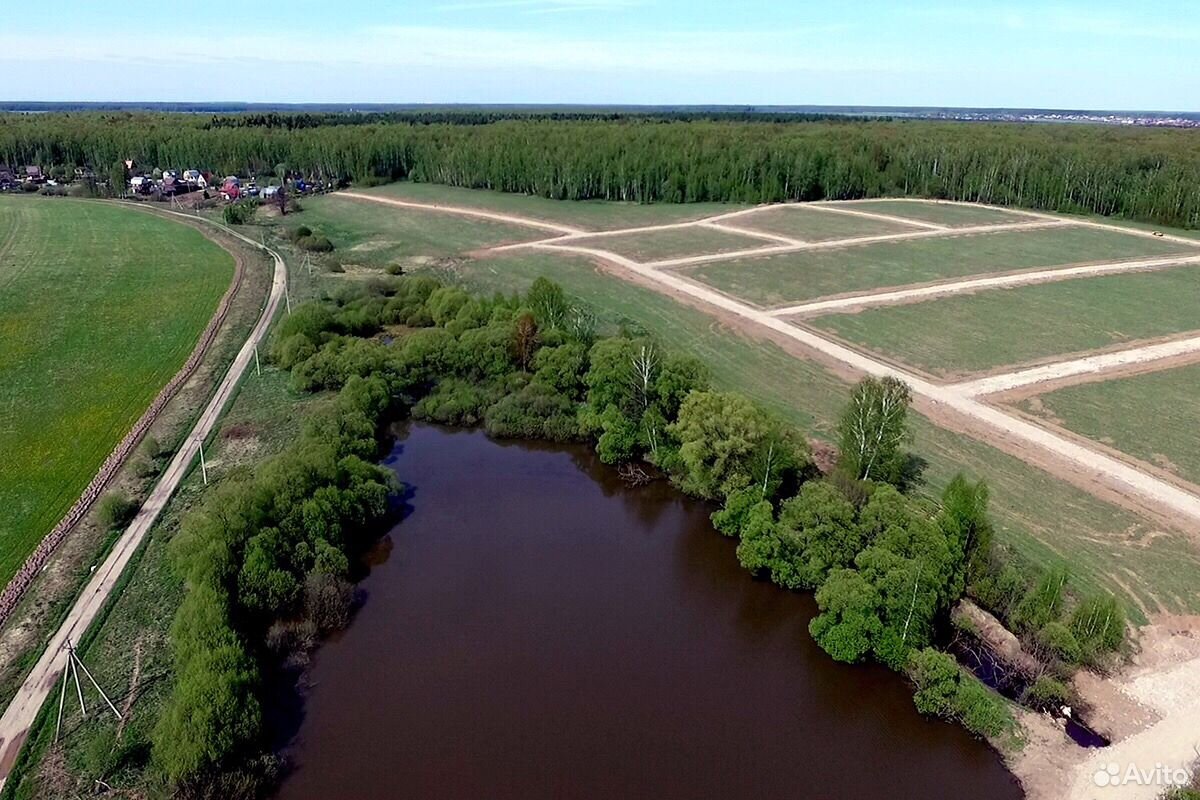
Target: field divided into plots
x,y
954,337
810,274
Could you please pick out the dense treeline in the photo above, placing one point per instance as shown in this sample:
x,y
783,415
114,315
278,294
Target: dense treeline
x,y
466,116
1145,174
267,557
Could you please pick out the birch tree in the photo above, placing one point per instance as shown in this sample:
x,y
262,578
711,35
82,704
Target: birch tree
x,y
873,428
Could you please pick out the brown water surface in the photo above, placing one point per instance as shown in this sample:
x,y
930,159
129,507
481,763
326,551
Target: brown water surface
x,y
538,630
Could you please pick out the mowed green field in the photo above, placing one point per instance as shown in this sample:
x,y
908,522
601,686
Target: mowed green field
x,y
810,224
963,334
588,215
1153,417
1043,518
99,306
807,275
672,243
950,214
376,234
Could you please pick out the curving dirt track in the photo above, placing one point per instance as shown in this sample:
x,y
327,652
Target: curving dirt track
x,y
20,714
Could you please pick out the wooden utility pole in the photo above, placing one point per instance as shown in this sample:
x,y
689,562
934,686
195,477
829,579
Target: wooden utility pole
x,y
71,673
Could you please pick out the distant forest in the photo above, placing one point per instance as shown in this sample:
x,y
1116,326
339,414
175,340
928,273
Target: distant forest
x,y
1146,174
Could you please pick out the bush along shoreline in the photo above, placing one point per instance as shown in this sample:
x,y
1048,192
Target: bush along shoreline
x,y
267,557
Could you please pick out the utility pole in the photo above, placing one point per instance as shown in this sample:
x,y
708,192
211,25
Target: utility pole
x,y
203,466
257,364
71,673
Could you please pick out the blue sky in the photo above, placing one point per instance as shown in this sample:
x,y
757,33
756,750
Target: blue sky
x,y
1071,54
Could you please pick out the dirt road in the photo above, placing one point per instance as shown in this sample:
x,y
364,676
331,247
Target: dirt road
x,y
966,286
19,716
1104,362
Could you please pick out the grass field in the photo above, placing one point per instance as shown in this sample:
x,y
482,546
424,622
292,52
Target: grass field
x,y
954,336
672,243
1152,417
807,275
376,235
593,215
99,307
954,216
814,225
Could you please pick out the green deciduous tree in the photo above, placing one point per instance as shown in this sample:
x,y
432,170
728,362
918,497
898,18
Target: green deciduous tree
x,y
873,429
849,621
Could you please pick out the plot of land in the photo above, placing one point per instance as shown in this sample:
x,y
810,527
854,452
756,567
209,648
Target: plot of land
x,y
376,235
1152,417
806,275
952,215
971,333
672,243
592,215
99,307
813,225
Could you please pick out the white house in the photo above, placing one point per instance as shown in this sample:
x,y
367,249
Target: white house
x,y
195,178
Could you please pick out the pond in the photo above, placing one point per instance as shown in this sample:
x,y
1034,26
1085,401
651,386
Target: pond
x,y
535,628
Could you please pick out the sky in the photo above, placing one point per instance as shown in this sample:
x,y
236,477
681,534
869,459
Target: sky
x,y
1098,54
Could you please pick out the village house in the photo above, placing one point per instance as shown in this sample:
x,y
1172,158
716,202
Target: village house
x,y
195,178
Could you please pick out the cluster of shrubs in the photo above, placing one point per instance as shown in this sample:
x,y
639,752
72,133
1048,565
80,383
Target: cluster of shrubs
x,y
240,213
303,237
266,562
944,690
1060,634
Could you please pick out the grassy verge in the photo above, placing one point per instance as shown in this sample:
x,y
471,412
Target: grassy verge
x,y
595,215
